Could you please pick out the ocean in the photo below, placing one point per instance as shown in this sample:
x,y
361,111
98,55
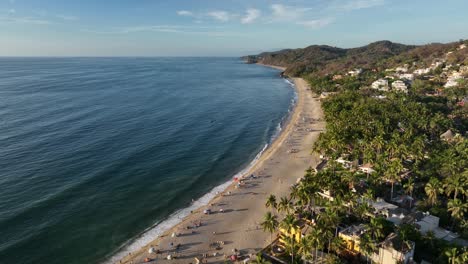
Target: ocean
x,y
99,155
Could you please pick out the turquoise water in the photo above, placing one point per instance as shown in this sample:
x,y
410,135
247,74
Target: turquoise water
x,y
96,151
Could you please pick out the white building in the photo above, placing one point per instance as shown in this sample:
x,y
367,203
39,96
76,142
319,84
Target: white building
x,y
393,251
462,46
453,79
436,64
422,71
380,84
400,86
355,72
430,223
401,69
464,69
367,168
406,76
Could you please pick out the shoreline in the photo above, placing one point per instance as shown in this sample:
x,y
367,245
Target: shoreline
x,y
242,213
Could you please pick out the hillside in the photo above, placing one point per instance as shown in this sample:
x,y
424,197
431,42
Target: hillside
x,y
327,59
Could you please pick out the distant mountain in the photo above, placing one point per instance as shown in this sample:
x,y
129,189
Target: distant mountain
x,y
326,59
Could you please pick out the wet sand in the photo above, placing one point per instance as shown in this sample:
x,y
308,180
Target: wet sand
x,y
238,226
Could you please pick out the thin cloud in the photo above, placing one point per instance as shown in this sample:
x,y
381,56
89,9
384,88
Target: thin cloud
x,y
184,13
362,4
67,18
287,13
23,20
317,23
177,29
251,16
222,16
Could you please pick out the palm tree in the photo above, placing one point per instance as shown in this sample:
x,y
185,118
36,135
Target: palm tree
x,y
289,223
290,245
409,188
284,205
432,189
454,184
453,256
271,202
393,173
305,247
367,245
457,208
337,244
316,239
375,229
270,224
378,143
260,260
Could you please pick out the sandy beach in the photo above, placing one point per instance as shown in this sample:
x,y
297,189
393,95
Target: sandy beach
x,y
236,213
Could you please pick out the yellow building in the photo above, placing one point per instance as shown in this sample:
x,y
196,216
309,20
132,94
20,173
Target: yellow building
x,y
295,232
351,235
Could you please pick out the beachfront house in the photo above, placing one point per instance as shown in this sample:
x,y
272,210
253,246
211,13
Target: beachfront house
x,y
390,251
351,236
393,250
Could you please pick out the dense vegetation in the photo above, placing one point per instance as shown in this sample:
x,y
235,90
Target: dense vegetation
x,y
399,134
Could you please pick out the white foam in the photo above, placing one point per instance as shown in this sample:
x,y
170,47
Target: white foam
x,y
160,227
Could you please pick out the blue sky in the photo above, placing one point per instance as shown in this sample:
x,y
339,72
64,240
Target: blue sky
x,y
219,27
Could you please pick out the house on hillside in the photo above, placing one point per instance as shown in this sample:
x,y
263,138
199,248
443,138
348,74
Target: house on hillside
x,y
406,76
367,168
402,69
453,79
422,71
447,136
337,77
355,72
437,63
462,46
464,69
400,86
380,84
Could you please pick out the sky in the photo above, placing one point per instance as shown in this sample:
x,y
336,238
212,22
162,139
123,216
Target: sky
x,y
219,27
